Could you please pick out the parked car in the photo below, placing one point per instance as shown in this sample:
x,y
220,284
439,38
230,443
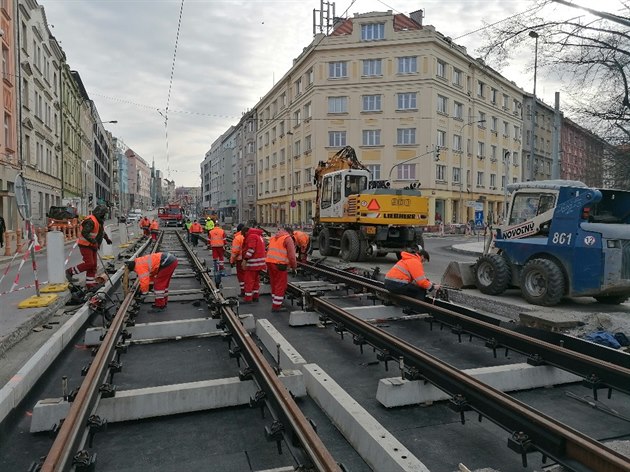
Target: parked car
x,y
133,218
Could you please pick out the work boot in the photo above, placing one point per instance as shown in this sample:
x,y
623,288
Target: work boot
x,y
157,309
282,309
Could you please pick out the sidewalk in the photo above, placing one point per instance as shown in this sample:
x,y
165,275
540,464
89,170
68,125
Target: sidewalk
x,y
472,249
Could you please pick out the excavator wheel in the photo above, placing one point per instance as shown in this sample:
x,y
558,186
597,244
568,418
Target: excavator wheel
x,y
350,246
542,282
492,274
325,246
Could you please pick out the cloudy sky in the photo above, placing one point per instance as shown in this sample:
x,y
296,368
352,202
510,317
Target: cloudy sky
x,y
228,55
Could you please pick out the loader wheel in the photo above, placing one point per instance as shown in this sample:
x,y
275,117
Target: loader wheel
x,y
611,299
542,282
492,274
350,246
325,246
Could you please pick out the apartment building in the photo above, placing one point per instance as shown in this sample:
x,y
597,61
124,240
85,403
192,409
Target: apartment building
x,y
102,158
219,174
40,58
583,154
139,174
397,92
9,145
72,168
543,126
245,168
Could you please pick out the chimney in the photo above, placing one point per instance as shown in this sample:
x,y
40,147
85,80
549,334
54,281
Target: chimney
x,y
417,16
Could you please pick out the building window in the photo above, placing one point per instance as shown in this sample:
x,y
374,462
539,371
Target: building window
x,y
274,159
493,152
282,182
375,170
308,111
297,178
494,125
282,156
308,176
407,172
442,104
274,185
406,136
371,103
482,120
310,77
506,102
457,175
7,131
506,128
458,110
297,148
441,69
250,190
336,138
337,70
441,139
480,179
372,31
372,67
517,133
307,143
481,89
406,101
407,65
481,149
297,118
493,96
457,143
298,86
493,180
337,104
440,172
457,77
371,137
267,163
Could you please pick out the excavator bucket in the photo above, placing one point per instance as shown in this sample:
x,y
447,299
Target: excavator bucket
x,y
459,275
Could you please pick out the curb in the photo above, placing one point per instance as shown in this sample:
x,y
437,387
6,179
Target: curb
x,y
39,318
464,251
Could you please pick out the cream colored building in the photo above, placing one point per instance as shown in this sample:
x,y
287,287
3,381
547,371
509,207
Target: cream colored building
x,y
395,91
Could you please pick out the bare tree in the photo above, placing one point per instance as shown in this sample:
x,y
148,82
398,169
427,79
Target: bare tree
x,y
589,54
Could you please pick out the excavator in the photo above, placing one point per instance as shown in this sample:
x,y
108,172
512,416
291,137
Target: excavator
x,y
561,239
357,217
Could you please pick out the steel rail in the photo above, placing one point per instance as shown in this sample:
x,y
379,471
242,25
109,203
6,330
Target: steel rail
x,y
597,372
531,430
267,380
69,438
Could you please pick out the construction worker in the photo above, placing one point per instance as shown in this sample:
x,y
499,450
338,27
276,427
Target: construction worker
x,y
216,240
253,262
236,256
157,268
145,226
89,241
195,231
154,227
280,258
187,225
209,224
302,244
407,276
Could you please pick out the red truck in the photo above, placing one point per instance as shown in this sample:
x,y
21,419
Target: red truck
x,y
171,215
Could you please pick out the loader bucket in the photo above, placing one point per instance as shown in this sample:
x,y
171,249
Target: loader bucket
x,y
459,275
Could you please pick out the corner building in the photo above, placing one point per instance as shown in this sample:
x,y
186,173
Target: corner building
x,y
395,91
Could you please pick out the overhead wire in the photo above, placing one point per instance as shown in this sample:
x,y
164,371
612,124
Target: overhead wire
x,y
170,87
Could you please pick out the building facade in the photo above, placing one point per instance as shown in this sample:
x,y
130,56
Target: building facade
x,y
72,169
9,145
40,61
583,155
398,92
139,181
246,168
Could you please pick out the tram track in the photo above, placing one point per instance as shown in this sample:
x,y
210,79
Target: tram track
x,y
219,334
529,429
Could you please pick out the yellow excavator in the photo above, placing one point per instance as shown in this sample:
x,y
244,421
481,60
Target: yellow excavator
x,y
357,217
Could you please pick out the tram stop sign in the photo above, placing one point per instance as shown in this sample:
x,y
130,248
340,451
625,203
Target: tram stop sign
x,y
21,196
293,204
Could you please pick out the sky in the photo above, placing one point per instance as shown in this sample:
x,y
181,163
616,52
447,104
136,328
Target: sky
x,y
228,55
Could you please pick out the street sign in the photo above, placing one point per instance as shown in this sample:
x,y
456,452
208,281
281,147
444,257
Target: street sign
x,y
470,203
293,204
479,218
478,206
21,197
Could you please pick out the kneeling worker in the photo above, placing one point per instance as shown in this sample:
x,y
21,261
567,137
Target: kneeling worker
x,y
407,276
157,268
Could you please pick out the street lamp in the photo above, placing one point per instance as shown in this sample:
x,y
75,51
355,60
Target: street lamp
x,y
436,150
532,175
291,179
461,170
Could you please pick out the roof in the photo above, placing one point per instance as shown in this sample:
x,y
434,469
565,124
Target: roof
x,y
401,23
